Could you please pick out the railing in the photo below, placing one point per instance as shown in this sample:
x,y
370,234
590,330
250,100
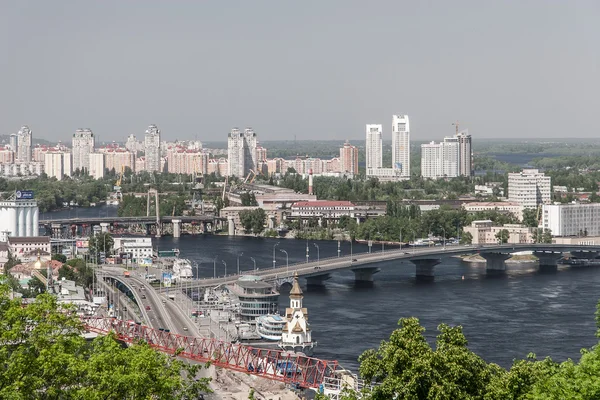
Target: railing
x,y
276,365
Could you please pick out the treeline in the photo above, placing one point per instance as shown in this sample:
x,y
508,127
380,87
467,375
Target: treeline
x,y
407,367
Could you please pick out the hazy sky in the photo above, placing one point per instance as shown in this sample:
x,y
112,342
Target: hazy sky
x,y
317,69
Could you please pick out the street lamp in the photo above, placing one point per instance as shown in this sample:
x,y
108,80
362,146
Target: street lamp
x,y
254,261
444,230
215,267
225,264
287,265
318,253
238,261
382,242
275,245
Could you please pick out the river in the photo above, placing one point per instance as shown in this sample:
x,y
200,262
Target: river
x,y
503,318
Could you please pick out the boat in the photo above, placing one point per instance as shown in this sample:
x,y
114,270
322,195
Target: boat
x,y
113,202
182,268
270,326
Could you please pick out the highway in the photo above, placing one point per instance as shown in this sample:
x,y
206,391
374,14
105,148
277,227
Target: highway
x,y
157,309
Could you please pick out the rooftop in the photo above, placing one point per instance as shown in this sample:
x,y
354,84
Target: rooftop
x,y
29,239
323,203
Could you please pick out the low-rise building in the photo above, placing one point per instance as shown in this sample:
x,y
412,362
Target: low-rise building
x,y
322,209
137,248
232,215
509,207
484,232
20,246
571,219
256,297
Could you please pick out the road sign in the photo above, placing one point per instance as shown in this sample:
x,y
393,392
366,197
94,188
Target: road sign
x,y
24,194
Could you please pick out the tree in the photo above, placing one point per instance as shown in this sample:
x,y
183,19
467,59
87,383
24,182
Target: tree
x,y
466,238
44,356
530,217
258,221
60,257
503,235
101,242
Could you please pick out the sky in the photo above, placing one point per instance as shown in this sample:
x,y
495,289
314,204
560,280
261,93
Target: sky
x,y
309,69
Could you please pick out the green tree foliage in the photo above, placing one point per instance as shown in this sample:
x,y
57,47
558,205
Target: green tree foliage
x,y
60,257
248,199
503,235
466,238
100,242
253,220
44,356
530,217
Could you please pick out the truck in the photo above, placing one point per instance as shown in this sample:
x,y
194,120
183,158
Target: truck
x,y
126,274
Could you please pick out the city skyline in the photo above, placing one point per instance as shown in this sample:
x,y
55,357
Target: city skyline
x,y
216,65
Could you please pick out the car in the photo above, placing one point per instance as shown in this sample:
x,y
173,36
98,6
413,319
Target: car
x,y
317,267
354,260
185,328
147,308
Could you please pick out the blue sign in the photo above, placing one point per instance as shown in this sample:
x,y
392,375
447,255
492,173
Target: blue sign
x,y
24,194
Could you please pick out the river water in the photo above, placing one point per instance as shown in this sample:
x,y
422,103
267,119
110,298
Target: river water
x,y
504,318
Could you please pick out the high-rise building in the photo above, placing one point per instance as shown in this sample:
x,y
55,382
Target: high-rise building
x,y
440,160
13,142
152,149
97,165
24,144
241,152
401,145
131,144
261,153
465,154
7,155
349,159
530,188
374,146
57,164
118,158
83,146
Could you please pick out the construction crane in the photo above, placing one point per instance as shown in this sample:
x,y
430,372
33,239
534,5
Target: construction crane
x,y
248,177
118,182
456,125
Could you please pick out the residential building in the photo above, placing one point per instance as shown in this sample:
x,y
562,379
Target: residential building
x,y
7,155
83,146
132,144
401,144
440,160
96,169
530,188
219,166
484,232
181,160
24,140
571,219
348,159
276,166
13,142
374,146
57,164
508,207
152,149
385,174
118,158
465,154
21,169
261,153
241,152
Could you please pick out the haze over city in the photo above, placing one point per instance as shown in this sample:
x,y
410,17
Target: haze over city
x,y
310,70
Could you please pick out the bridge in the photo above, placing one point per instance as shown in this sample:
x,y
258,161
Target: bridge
x,y
206,222
425,259
287,367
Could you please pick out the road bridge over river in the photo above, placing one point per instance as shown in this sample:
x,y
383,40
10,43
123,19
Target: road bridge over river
x,y
364,265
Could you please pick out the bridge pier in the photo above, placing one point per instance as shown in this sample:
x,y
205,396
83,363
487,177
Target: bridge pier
x,y
56,230
495,262
104,227
425,268
176,228
317,280
365,274
548,260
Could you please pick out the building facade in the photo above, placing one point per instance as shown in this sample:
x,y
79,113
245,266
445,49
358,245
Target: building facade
x,y
507,207
96,170
465,154
83,145
374,146
57,164
349,159
530,188
401,144
484,232
152,149
241,152
571,219
24,140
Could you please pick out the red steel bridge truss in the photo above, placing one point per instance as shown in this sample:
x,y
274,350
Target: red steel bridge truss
x,y
276,365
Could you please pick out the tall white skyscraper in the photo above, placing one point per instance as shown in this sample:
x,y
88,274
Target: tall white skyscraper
x,y
440,160
374,146
24,144
152,149
13,142
465,154
241,152
401,145
83,146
